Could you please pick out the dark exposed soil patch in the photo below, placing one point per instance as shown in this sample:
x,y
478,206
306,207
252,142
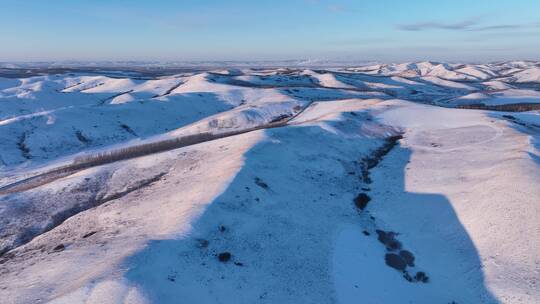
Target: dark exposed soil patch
x,y
421,277
169,91
408,257
59,248
389,240
141,184
21,144
361,201
103,101
128,129
89,234
83,139
371,161
280,118
224,257
395,261
259,182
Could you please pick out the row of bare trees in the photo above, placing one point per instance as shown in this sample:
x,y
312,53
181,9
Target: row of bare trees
x,y
513,107
141,150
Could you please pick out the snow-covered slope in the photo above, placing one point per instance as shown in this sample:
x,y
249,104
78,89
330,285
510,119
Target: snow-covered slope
x,y
283,185
529,74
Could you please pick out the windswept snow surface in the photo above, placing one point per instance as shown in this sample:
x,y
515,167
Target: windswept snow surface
x,y
369,184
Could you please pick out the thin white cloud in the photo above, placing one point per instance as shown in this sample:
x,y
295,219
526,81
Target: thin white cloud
x,y
430,25
465,25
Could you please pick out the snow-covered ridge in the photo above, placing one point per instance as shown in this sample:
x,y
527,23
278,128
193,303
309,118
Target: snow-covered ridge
x,y
60,114
378,183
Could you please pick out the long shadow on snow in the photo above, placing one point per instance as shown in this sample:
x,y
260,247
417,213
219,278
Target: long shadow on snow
x,y
270,236
426,225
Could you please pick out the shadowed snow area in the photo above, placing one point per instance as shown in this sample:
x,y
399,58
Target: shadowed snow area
x,y
390,183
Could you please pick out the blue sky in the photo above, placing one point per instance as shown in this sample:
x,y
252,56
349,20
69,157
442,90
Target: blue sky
x,y
385,30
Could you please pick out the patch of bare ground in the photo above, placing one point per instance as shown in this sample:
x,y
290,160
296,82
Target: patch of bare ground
x,y
396,256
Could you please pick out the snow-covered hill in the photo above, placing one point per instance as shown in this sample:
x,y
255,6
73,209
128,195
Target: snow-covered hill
x,y
383,183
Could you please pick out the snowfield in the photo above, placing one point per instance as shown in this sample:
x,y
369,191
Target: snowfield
x,y
384,183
